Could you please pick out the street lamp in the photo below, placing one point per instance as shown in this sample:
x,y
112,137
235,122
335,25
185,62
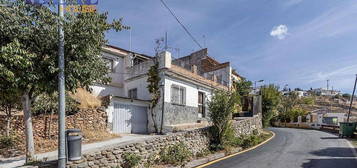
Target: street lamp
x,y
61,91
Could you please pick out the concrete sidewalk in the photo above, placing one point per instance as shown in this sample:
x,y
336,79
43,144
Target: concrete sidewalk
x,y
86,148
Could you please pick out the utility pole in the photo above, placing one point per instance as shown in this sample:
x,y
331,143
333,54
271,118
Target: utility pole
x,y
353,94
61,90
327,82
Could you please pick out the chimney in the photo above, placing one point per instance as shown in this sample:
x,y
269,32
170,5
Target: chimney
x,y
194,69
165,59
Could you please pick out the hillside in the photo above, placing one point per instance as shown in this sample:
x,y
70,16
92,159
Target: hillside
x,y
332,104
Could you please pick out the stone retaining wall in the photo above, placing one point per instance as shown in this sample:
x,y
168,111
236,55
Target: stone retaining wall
x,y
246,125
196,140
45,132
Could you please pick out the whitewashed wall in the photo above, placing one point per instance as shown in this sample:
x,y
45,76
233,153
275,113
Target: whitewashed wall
x,y
116,87
141,85
191,91
105,90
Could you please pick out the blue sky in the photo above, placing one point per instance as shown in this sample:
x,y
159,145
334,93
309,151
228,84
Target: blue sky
x,y
301,43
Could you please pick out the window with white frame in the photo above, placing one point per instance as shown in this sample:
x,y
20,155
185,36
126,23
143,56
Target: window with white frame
x,y
109,63
178,95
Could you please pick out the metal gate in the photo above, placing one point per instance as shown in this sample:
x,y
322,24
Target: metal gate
x,y
129,118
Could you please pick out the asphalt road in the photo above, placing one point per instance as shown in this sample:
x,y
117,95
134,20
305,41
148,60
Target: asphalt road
x,y
296,148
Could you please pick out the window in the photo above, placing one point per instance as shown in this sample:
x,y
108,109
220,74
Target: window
x,y
133,93
201,104
109,63
178,94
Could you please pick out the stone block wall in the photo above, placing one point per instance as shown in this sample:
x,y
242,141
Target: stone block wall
x,y
196,140
246,125
178,114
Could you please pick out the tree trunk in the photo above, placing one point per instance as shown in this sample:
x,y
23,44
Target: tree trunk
x,y
153,116
49,126
30,147
8,120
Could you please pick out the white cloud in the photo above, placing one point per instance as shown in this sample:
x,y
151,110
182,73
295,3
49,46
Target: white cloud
x,y
279,32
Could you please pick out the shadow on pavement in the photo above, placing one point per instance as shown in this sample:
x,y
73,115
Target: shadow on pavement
x,y
342,158
329,138
334,152
330,163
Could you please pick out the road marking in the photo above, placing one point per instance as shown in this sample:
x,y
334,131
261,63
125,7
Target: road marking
x,y
352,148
243,151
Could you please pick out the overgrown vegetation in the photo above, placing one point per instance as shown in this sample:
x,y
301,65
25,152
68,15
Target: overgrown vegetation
x,y
221,108
177,154
154,89
130,160
271,98
7,142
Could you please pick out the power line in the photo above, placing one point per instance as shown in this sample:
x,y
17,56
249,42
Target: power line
x,y
183,26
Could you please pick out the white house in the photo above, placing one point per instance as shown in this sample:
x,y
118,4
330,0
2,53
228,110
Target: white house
x,y
325,92
185,89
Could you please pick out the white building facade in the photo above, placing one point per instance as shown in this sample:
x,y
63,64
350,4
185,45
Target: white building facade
x,y
184,92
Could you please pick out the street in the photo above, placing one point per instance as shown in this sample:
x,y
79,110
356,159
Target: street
x,y
296,148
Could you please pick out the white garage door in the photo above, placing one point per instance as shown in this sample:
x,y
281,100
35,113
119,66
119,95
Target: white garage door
x,y
129,118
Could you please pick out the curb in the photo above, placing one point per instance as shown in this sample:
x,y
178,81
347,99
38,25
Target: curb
x,y
243,151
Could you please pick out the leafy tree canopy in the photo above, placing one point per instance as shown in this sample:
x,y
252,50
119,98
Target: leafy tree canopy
x,y
29,47
243,87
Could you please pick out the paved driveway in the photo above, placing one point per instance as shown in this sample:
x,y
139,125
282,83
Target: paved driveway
x,y
296,148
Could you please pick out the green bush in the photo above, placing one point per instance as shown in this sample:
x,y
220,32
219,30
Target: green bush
x,y
202,153
130,160
177,154
251,140
271,99
221,108
152,160
7,142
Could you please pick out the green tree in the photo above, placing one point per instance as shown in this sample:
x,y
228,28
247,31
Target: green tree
x,y
221,106
29,50
243,87
271,98
154,89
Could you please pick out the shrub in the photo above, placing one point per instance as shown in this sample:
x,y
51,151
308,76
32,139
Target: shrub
x,y
152,160
130,160
221,107
271,98
251,140
177,154
7,142
202,153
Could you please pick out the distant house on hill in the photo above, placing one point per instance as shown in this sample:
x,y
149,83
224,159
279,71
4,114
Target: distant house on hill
x,y
325,92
